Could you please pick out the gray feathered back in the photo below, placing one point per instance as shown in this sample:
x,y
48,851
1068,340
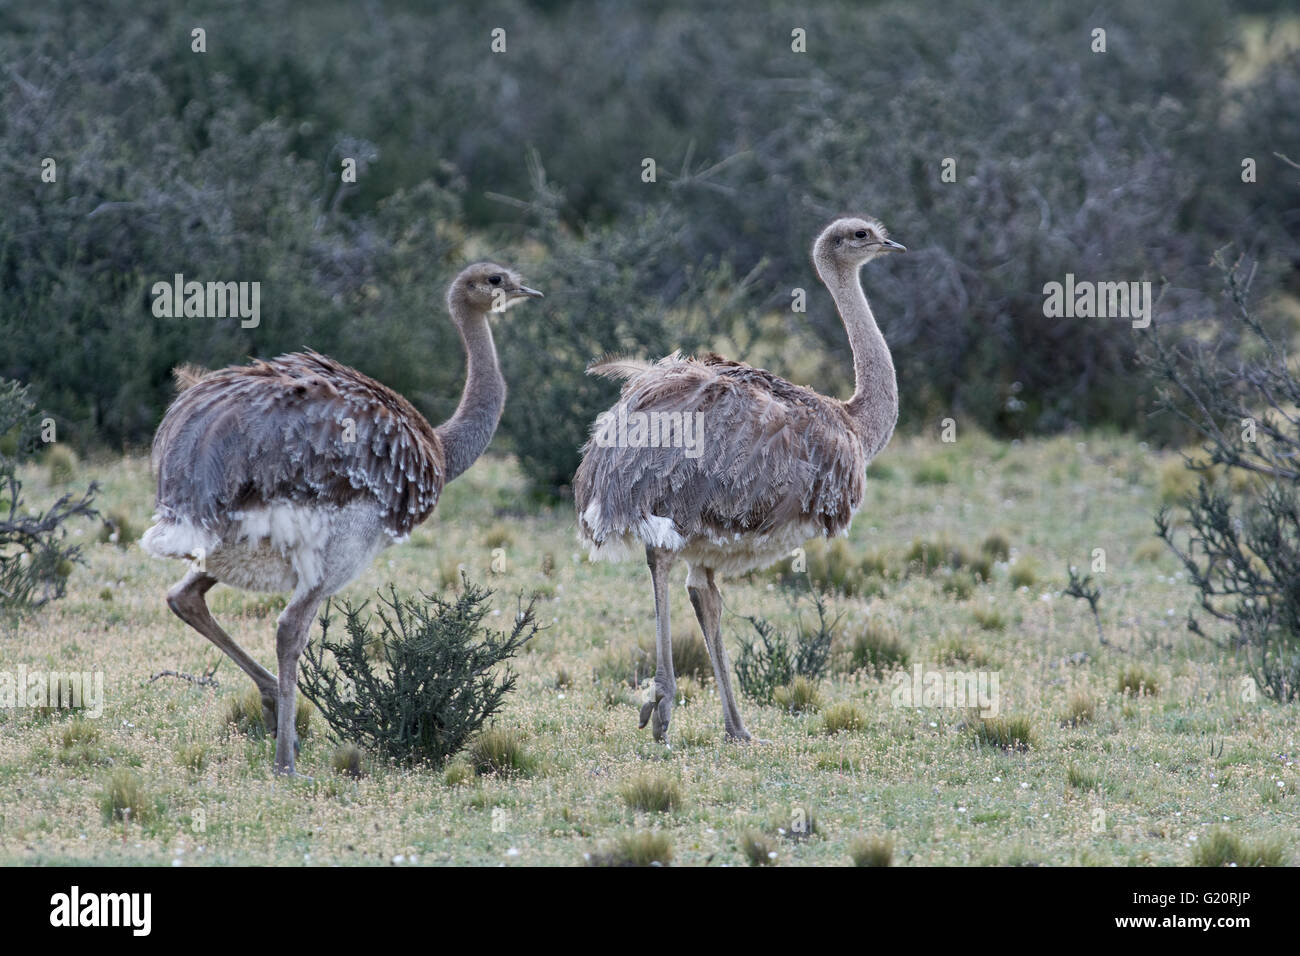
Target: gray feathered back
x,y
771,453
275,430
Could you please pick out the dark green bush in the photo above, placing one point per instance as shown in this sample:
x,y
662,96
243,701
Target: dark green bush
x,y
772,660
225,165
438,683
35,558
1240,540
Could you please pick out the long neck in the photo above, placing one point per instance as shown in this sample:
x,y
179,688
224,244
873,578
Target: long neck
x,y
874,405
468,431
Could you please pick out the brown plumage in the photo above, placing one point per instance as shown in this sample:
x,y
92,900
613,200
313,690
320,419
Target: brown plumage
x,y
298,428
771,453
292,474
756,466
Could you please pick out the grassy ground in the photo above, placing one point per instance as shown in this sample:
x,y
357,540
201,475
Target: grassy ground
x,y
1151,778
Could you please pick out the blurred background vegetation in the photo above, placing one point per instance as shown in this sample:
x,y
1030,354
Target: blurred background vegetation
x,y
225,166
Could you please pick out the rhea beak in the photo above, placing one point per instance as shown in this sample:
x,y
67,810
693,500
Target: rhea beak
x,y
525,291
889,245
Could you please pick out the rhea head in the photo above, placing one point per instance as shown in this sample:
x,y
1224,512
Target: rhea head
x,y
849,242
487,287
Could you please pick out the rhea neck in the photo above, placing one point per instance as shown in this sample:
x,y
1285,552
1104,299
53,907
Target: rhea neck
x,y
874,405
467,433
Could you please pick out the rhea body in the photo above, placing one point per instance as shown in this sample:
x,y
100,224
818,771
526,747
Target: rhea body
x,y
292,474
777,464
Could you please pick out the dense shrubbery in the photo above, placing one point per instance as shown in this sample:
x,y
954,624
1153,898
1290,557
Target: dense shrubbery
x,y
422,684
1116,166
1239,536
35,557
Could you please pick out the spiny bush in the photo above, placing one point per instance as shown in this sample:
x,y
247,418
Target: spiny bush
x,y
438,683
35,559
773,660
1241,543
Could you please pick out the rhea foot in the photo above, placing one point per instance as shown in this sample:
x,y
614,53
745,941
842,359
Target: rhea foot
x,y
658,713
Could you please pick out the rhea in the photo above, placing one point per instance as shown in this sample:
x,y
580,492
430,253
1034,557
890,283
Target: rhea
x,y
292,474
776,464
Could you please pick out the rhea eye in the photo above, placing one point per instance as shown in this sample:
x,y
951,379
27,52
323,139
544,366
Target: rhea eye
x,y
861,233
495,280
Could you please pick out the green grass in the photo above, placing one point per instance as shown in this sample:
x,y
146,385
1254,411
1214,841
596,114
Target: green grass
x,y
894,771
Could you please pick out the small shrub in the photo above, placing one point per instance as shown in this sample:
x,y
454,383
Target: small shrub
x,y
799,697
996,546
1138,682
652,793
772,660
1024,573
757,848
876,648
450,572
959,585
500,752
35,560
439,683
842,717
1221,847
242,714
989,619
62,464
498,536
346,760
1081,779
638,849
124,798
1079,710
192,756
872,851
117,528
457,772
1006,733
563,679
957,651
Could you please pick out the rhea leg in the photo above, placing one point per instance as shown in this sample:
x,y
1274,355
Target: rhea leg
x,y
707,601
186,600
659,709
291,633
